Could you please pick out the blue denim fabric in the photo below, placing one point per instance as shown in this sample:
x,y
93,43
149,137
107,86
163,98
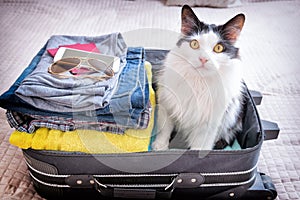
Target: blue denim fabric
x,y
10,101
136,90
127,103
46,91
131,96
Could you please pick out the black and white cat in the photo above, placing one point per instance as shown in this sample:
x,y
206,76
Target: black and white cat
x,y
199,90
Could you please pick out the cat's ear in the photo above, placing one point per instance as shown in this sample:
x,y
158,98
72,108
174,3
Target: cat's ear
x,y
189,21
231,30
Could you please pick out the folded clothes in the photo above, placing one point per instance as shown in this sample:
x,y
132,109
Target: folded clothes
x,y
46,91
89,141
30,123
127,103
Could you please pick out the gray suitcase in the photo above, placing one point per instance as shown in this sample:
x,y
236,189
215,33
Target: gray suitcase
x,y
176,174
172,174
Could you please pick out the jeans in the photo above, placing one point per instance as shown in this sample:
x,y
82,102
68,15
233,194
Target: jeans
x,y
125,106
49,92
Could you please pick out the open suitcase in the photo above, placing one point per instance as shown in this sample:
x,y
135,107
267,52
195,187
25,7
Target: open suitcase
x,y
172,174
176,174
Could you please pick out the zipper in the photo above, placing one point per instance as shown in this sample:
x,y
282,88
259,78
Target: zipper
x,y
147,175
48,184
166,186
45,174
231,173
162,185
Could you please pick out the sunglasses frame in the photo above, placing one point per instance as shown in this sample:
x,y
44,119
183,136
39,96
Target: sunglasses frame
x,y
108,71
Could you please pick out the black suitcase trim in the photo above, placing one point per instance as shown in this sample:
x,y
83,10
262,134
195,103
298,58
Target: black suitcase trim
x,y
262,188
60,174
165,181
217,175
70,183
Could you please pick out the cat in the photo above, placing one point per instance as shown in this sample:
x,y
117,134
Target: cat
x,y
200,86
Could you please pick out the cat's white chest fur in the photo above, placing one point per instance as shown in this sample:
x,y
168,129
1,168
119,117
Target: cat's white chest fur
x,y
199,89
194,102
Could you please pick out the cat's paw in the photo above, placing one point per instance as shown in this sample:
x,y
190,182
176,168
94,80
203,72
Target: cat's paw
x,y
160,146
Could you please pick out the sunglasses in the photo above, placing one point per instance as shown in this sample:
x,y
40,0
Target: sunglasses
x,y
68,64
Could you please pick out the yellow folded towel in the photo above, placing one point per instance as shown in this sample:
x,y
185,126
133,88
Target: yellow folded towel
x,y
89,141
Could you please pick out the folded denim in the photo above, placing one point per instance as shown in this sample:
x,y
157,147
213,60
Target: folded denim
x,y
126,105
30,123
44,90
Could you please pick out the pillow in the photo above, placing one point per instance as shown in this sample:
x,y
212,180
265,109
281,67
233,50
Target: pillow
x,y
205,3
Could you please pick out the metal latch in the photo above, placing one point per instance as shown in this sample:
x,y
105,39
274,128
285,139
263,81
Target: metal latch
x,y
80,181
187,180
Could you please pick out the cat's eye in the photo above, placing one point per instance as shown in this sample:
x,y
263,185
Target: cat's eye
x,y
194,44
219,48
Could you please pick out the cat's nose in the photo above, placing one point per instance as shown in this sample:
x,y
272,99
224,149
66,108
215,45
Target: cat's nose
x,y
203,60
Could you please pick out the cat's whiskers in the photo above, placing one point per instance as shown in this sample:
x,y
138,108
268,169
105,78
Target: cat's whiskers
x,y
188,61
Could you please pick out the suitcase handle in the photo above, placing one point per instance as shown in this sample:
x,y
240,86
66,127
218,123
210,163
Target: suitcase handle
x,y
182,180
134,193
89,181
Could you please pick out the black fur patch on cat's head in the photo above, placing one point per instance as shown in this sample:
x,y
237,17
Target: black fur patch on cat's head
x,y
190,24
229,32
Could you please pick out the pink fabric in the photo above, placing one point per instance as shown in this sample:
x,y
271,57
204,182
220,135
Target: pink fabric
x,y
91,47
80,71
